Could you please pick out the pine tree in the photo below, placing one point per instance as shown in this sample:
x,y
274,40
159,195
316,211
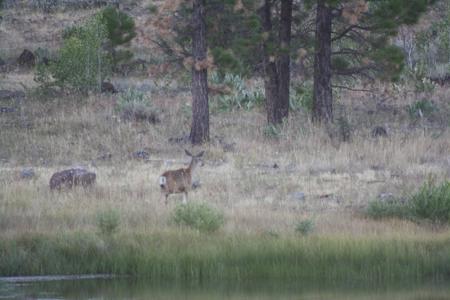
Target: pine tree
x,y
199,87
352,39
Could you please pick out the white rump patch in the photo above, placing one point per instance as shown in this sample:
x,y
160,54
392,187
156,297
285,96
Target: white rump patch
x,y
162,180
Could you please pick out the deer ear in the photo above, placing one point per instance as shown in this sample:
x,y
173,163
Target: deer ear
x,y
188,153
200,154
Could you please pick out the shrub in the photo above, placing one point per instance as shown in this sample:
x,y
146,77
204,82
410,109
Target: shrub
x,y
432,202
273,131
421,108
136,106
108,222
82,63
301,97
241,96
200,217
120,30
391,208
305,227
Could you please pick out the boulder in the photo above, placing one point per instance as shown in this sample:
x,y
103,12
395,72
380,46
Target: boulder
x,y
27,59
141,155
71,178
379,131
9,95
108,87
27,174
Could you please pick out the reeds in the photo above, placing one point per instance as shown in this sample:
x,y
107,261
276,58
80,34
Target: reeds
x,y
188,256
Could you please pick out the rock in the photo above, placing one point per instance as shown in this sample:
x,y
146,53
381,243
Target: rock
x,y
9,95
196,184
298,196
108,87
72,177
27,59
379,131
184,139
106,156
141,154
143,115
27,174
7,109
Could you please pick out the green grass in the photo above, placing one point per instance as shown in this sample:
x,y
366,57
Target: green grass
x,y
431,202
189,256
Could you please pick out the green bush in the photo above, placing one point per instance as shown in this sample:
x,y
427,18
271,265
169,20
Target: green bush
x,y
393,208
273,131
301,97
200,217
136,106
305,227
82,63
120,30
432,202
241,96
108,222
421,108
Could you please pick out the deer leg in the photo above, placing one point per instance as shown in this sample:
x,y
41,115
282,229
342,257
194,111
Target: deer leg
x,y
166,200
185,198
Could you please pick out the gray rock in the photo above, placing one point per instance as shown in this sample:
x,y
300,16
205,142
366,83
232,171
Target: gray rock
x,y
8,95
379,131
196,184
27,173
7,110
141,155
27,59
298,196
70,178
108,87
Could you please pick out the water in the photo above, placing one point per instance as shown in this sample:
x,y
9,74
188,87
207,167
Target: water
x,y
125,288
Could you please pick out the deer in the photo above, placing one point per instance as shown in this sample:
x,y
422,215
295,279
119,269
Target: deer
x,y
179,181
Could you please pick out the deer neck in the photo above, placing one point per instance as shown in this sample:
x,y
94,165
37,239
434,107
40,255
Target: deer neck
x,y
191,167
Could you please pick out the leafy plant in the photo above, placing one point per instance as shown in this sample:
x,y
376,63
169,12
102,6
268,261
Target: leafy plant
x,y
120,30
108,222
272,131
305,227
134,105
241,96
301,97
421,108
82,63
432,202
200,217
391,208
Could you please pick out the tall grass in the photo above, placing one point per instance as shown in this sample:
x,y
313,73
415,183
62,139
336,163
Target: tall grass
x,y
193,257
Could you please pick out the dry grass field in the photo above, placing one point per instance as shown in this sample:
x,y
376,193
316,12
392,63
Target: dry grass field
x,y
261,183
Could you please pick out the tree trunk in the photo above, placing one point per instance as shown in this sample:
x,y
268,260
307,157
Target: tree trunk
x,y
200,110
284,76
323,97
271,83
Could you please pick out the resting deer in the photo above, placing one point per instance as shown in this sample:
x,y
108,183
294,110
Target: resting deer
x,y
179,181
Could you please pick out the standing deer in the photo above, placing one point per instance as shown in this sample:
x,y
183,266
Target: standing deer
x,y
179,181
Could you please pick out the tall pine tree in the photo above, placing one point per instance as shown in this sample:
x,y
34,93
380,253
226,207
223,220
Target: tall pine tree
x,y
353,39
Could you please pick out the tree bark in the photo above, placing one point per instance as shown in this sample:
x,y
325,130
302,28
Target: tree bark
x,y
323,96
284,76
271,83
277,61
199,88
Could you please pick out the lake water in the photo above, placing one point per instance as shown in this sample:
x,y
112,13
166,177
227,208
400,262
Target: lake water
x,y
42,288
